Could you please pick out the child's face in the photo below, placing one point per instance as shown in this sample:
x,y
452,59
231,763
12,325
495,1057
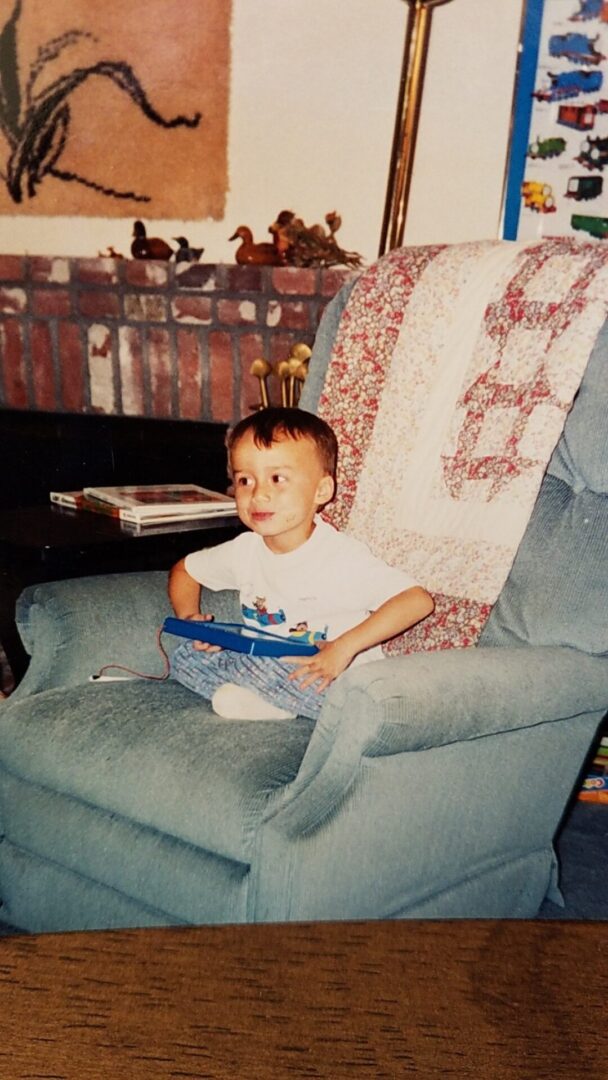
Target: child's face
x,y
279,488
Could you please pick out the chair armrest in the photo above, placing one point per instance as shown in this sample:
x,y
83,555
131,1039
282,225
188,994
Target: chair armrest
x,y
72,628
428,700
431,699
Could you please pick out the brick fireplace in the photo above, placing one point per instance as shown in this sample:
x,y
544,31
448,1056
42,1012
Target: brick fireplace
x,y
151,339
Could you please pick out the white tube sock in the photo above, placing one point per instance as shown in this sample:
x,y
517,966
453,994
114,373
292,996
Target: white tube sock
x,y
234,702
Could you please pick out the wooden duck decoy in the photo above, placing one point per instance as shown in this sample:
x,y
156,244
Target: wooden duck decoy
x,y
148,247
184,252
284,230
249,253
110,253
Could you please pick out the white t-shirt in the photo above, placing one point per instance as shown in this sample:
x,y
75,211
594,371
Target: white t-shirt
x,y
317,592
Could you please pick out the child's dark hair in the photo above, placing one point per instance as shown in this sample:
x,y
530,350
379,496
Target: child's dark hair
x,y
268,424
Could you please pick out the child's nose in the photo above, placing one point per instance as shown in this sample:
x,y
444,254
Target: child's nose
x,y
262,491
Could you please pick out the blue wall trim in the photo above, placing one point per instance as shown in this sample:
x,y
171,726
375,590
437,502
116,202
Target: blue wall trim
x,y
528,63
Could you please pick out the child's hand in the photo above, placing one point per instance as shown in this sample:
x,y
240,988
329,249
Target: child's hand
x,y
321,669
203,646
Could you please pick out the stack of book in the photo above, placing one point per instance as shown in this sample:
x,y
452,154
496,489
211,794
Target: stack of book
x,y
157,504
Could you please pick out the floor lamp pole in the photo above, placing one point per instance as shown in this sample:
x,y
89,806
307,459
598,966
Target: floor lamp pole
x,y
406,124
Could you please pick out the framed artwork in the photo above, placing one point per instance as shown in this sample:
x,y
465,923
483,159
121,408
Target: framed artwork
x,y
114,109
557,175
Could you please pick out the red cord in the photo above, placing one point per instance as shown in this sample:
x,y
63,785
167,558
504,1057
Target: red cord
x,y
142,674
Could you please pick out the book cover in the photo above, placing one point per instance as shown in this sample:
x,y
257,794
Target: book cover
x,y
99,507
143,502
77,500
136,519
73,499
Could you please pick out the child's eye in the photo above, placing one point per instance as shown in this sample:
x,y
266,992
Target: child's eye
x,y
244,481
278,478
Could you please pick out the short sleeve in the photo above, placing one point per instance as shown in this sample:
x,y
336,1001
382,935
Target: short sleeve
x,y
219,567
377,582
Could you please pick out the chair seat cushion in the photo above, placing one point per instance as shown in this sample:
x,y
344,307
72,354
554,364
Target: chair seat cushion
x,y
155,754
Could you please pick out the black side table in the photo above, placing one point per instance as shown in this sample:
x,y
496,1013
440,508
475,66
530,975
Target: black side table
x,y
48,543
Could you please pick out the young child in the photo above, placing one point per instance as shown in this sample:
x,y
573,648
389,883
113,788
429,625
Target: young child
x,y
296,575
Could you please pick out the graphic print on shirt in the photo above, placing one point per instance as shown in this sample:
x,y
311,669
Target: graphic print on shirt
x,y
259,610
260,614
301,633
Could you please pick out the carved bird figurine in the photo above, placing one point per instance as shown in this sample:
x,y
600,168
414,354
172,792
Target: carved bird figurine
x,y
148,247
302,245
110,253
284,231
249,252
184,252
333,221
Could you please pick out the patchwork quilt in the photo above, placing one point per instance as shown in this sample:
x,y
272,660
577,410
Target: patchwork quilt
x,y
452,373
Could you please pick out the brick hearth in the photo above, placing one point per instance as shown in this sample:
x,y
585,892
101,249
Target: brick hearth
x,y
142,339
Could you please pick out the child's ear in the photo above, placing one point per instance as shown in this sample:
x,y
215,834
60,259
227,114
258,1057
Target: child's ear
x,y
325,490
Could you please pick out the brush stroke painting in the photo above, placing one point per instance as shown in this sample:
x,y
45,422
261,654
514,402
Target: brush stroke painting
x,y
114,109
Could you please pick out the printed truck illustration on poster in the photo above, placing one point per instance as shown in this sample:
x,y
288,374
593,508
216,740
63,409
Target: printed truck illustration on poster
x,y
584,187
546,148
538,196
579,117
591,9
568,84
593,153
595,226
577,47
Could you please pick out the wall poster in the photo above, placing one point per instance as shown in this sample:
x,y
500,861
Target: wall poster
x,y
114,108
557,177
